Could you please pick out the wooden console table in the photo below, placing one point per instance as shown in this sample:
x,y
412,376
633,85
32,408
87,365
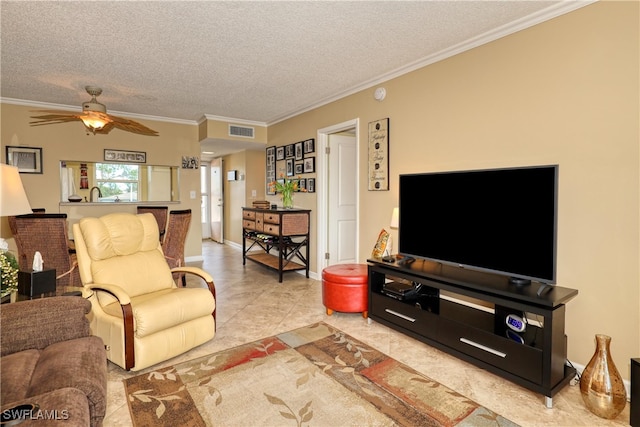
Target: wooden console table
x,y
285,231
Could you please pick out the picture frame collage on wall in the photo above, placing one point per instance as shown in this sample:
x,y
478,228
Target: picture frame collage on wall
x,y
298,158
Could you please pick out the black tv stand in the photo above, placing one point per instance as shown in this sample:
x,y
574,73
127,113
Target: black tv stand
x,y
441,315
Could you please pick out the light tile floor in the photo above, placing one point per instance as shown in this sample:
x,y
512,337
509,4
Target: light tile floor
x,y
251,304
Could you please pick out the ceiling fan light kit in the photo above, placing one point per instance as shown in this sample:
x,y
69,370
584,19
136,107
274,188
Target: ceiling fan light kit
x,y
94,117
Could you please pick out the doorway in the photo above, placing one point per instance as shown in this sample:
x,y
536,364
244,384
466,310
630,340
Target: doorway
x,y
217,201
338,189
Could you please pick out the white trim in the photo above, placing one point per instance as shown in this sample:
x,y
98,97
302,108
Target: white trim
x,y
322,177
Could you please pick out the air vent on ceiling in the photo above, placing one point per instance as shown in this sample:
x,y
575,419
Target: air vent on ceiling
x,y
243,131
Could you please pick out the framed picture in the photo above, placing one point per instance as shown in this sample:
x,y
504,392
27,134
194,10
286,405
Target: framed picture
x,y
289,167
299,168
311,185
298,150
309,165
309,146
26,159
280,153
271,168
288,151
125,156
379,155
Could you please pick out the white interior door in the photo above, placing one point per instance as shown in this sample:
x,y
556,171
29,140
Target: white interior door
x,y
342,198
217,202
204,200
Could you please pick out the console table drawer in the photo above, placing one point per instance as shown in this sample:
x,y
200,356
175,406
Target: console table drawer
x,y
248,215
271,229
251,225
519,359
272,218
403,314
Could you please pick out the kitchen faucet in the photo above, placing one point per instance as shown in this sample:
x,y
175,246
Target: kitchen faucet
x,y
91,193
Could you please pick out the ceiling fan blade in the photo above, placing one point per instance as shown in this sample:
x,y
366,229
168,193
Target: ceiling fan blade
x,y
51,119
126,125
132,126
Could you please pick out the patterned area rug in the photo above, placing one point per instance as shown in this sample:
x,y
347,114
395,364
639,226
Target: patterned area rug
x,y
312,376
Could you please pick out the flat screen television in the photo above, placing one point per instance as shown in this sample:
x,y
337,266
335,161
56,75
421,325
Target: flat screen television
x,y
497,220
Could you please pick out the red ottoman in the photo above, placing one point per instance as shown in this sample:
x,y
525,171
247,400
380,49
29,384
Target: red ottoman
x,y
344,288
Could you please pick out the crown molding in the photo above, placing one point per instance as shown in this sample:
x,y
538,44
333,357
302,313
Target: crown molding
x,y
50,106
539,17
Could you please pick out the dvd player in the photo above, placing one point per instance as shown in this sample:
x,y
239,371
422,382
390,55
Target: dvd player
x,y
401,290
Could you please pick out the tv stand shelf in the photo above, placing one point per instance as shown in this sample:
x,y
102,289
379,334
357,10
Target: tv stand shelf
x,y
463,313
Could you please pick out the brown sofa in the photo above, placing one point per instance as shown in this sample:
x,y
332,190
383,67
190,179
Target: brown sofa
x,y
49,359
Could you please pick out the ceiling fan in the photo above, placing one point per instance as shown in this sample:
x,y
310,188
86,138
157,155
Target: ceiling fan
x,y
94,116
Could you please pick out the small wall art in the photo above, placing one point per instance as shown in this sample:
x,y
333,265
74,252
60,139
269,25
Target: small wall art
x,y
190,162
26,159
124,156
379,155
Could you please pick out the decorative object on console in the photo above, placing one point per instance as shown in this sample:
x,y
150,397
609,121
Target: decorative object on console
x,y
94,117
381,244
286,186
379,155
393,224
601,385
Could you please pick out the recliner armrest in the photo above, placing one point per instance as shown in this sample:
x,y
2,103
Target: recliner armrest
x,y
38,323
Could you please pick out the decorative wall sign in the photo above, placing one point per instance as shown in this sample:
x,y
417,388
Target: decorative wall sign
x,y
379,155
26,159
271,168
190,162
126,156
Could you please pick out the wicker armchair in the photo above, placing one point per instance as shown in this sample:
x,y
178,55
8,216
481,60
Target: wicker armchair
x,y
161,213
47,234
174,239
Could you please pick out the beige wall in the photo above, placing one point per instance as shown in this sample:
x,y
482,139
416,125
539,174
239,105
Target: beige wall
x,y
563,92
69,142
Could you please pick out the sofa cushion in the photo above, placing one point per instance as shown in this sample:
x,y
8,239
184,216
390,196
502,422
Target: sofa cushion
x,y
15,375
79,363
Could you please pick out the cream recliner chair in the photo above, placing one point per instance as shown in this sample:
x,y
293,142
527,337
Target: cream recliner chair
x,y
137,309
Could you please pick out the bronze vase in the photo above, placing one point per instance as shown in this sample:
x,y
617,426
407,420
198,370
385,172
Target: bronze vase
x,y
601,385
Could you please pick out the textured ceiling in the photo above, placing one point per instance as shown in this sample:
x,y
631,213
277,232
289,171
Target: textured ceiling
x,y
255,61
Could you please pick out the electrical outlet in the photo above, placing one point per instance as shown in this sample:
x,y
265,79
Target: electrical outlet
x,y
254,193
192,194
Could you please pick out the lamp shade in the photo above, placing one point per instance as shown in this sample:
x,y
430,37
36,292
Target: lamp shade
x,y
394,218
13,199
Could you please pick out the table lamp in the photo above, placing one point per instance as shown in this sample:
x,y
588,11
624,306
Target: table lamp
x,y
393,225
13,199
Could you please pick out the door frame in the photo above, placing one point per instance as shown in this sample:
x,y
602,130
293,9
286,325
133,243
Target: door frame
x,y
322,180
